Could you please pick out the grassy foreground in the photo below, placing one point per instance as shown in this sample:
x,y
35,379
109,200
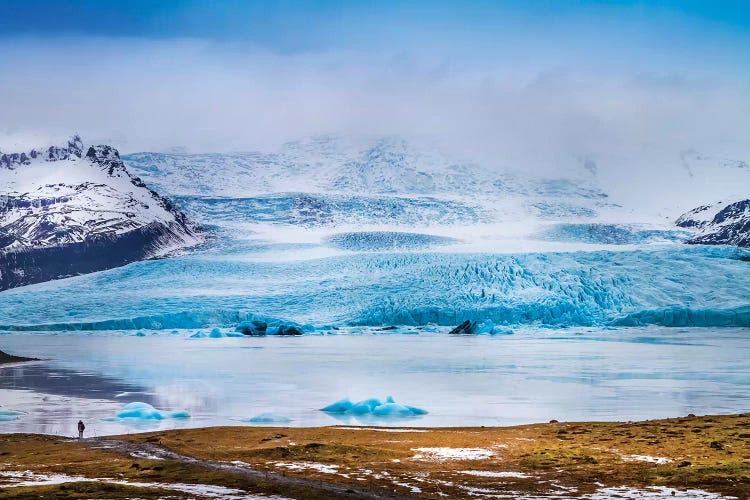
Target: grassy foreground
x,y
710,453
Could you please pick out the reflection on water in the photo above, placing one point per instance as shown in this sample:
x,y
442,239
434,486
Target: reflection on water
x,y
47,378
531,376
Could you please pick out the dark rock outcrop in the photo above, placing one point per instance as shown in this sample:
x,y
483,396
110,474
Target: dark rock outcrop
x,y
289,330
465,328
255,328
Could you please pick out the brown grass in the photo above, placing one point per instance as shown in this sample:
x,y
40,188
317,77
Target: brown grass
x,y
710,453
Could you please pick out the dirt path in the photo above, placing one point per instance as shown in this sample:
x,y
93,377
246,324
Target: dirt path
x,y
333,490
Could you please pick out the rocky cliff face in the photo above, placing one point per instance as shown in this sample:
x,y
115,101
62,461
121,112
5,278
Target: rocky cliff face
x,y
719,224
70,210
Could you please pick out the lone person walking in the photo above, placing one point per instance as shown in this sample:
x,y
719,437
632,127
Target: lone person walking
x,y
81,428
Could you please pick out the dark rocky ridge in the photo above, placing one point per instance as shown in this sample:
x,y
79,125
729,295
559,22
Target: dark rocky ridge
x,y
729,225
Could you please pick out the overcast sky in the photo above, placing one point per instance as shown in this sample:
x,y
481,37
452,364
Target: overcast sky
x,y
518,79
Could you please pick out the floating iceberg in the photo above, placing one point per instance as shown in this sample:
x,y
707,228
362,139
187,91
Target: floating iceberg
x,y
144,411
373,407
216,334
9,415
269,418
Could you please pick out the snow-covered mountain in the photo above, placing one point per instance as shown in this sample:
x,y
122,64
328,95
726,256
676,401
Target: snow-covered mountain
x,y
67,210
719,224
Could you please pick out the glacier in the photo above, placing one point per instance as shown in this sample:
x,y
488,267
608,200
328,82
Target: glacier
x,y
335,237
671,285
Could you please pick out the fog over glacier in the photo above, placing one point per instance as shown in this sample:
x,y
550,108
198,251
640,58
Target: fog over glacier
x,y
496,106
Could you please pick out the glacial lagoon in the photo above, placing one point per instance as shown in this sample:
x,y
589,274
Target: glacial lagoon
x,y
532,375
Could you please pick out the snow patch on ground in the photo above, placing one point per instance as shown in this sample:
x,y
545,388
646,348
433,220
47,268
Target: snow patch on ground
x,y
412,488
29,478
490,473
145,456
324,468
626,492
443,454
382,429
646,458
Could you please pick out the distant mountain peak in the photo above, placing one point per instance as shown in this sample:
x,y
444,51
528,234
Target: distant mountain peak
x,y
70,151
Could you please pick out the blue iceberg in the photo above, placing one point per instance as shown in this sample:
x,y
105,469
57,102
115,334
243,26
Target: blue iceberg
x,y
9,415
340,406
373,407
144,411
216,334
269,418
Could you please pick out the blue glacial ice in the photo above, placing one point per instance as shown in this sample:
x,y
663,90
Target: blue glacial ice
x,y
386,240
373,407
340,406
611,234
555,289
144,411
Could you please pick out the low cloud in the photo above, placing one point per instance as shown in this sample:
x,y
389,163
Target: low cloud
x,y
152,95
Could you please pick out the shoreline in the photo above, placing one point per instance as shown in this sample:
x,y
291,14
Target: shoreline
x,y
568,459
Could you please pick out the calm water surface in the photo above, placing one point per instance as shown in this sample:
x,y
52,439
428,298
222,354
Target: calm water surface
x,y
530,376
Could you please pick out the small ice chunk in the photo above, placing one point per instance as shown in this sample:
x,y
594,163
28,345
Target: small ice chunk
x,y
269,418
198,335
485,327
9,415
216,334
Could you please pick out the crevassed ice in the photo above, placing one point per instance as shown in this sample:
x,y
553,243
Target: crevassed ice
x,y
669,286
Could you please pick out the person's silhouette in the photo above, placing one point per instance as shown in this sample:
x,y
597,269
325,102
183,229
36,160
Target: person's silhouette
x,y
81,428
